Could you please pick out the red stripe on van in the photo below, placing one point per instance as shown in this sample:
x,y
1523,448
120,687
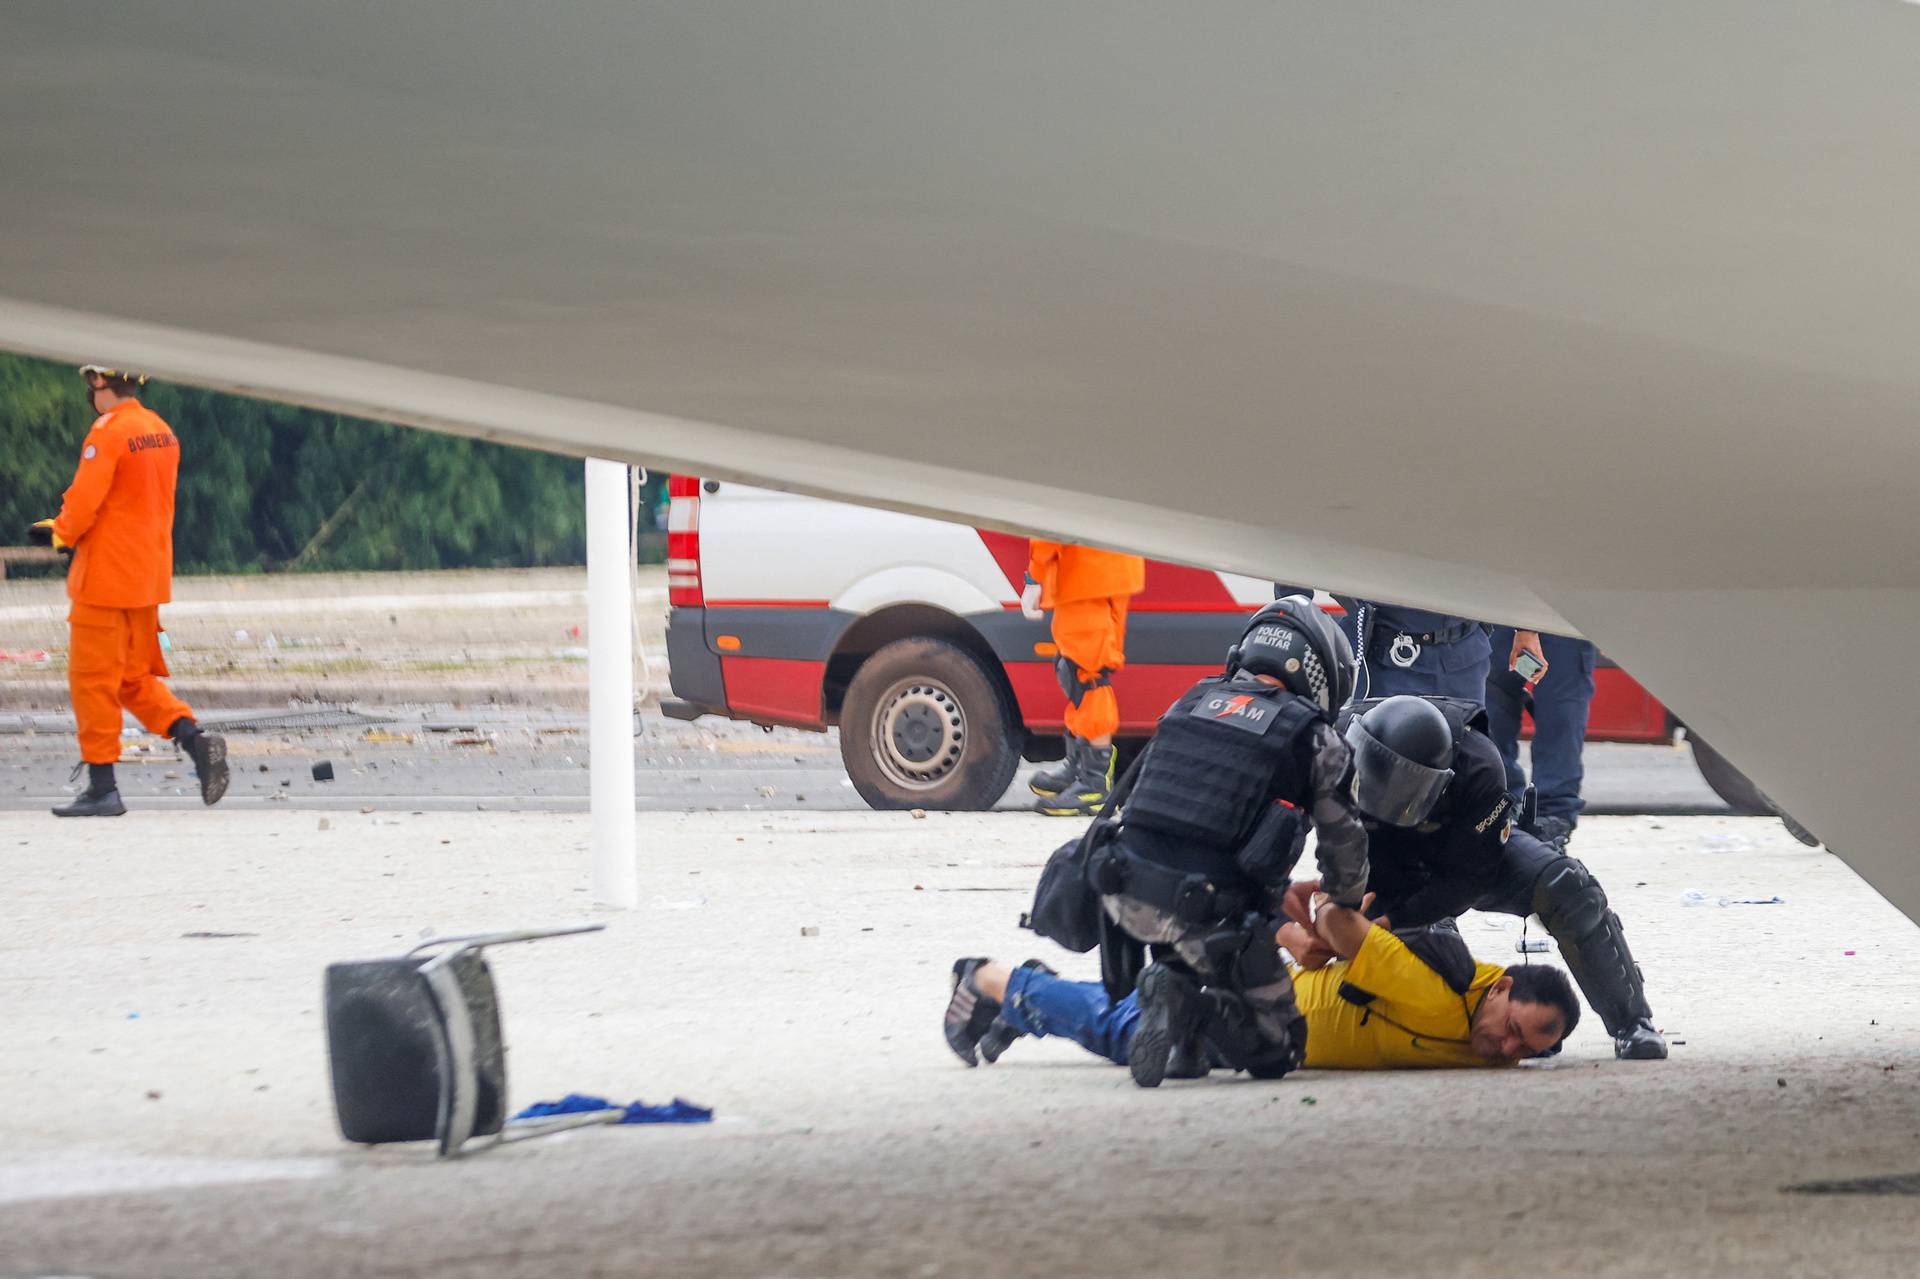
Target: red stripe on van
x,y
1171,588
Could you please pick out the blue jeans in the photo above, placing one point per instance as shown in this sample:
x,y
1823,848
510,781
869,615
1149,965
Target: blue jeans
x,y
1040,1004
1560,703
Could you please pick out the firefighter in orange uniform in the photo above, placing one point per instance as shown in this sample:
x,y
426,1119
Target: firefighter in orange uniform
x,y
117,521
1088,591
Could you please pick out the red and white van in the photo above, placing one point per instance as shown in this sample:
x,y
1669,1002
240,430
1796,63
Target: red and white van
x,y
906,633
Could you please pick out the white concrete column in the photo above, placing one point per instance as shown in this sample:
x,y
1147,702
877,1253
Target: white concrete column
x,y
610,678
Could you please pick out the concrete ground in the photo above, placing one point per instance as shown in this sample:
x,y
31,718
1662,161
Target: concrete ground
x,y
167,1106
458,759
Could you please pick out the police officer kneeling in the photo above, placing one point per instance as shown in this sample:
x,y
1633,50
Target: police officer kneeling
x,y
1208,838
1441,838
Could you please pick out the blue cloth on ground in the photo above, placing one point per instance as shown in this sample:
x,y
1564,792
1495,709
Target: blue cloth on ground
x,y
677,1111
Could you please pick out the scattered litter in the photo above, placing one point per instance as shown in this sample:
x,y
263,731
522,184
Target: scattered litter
x,y
367,809
29,656
263,768
799,799
470,741
765,792
682,903
677,1111
381,735
171,776
1780,1083
288,781
278,797
241,636
325,824
153,1094
1532,945
808,930
1846,952
1693,898
1309,1101
1680,1042
919,813
323,771
214,936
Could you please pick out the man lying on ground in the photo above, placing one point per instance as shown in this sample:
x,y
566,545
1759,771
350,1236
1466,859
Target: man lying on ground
x,y
1390,1001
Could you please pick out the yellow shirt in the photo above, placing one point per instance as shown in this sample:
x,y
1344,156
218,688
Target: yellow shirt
x,y
1433,1022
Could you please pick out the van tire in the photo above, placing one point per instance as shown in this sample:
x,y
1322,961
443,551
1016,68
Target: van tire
x,y
926,725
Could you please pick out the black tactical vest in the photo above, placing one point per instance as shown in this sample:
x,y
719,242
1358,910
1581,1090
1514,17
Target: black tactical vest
x,y
1220,755
1460,713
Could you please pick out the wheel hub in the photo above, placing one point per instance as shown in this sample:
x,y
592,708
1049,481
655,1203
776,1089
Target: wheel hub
x,y
919,733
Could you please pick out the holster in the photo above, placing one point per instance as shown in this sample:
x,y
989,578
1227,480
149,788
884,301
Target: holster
x,y
1188,896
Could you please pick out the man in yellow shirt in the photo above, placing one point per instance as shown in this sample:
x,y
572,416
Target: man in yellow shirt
x,y
1384,1004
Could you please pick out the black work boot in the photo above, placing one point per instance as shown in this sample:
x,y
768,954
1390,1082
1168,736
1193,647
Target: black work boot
x,y
101,798
1640,1042
1088,790
1189,1060
970,1014
1170,1013
1049,782
1554,832
1000,1035
209,754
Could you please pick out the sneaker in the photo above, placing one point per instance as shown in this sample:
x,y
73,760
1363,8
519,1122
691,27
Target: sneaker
x,y
1049,782
1001,1034
1170,1013
1088,790
1640,1042
970,1014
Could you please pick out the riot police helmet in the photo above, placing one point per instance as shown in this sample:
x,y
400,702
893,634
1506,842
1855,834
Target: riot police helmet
x,y
1402,759
1298,644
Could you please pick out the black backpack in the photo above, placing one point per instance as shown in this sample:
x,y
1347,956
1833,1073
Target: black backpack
x,y
1066,908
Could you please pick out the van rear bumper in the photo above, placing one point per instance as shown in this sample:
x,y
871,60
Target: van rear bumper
x,y
693,669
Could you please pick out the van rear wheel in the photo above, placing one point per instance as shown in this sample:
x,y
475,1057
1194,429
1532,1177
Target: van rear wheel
x,y
926,725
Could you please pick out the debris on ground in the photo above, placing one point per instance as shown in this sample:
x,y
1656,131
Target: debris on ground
x,y
1694,898
918,813
323,771
677,1111
808,930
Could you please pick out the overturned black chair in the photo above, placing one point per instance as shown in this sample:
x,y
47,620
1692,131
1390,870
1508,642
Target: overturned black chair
x,y
416,1050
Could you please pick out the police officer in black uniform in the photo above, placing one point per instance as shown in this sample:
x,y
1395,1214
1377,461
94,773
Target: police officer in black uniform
x,y
1442,839
1208,837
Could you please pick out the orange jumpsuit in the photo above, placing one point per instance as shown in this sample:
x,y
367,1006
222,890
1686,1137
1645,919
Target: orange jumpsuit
x,y
1088,590
118,517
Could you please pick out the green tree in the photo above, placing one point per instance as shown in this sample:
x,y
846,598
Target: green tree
x,y
266,487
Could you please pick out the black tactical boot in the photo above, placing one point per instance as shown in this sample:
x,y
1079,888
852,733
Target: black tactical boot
x,y
1049,782
1189,1060
1000,1035
970,1014
209,754
1640,1042
1170,1013
1554,832
101,798
1092,780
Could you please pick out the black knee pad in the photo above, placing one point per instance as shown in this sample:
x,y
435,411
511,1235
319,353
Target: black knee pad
x,y
1568,898
1067,672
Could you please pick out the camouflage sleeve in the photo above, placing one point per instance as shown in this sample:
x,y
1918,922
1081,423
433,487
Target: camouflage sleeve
x,y
1342,844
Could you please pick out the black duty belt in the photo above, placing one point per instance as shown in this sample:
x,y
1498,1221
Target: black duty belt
x,y
1189,896
1384,635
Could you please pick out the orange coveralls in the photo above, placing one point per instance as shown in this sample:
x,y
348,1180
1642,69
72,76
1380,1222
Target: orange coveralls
x,y
1088,590
118,517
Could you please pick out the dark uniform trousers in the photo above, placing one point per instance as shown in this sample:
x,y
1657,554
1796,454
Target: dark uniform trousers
x,y
1412,651
1560,703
